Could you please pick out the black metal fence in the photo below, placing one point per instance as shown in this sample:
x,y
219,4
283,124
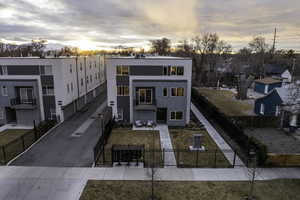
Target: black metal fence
x,y
20,144
183,158
235,132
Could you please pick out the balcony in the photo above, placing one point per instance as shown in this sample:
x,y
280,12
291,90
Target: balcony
x,y
144,105
19,103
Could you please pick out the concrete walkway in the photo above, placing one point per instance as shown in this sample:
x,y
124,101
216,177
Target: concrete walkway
x,y
227,151
165,142
34,183
166,145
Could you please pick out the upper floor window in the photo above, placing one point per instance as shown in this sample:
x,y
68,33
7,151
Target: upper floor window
x,y
173,70
122,70
4,91
71,68
87,79
90,65
3,70
80,66
177,92
46,70
71,87
123,90
91,78
95,64
48,90
81,82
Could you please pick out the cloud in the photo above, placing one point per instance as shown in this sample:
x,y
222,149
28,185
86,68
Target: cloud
x,y
134,22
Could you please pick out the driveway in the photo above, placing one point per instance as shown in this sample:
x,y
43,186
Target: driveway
x,y
63,147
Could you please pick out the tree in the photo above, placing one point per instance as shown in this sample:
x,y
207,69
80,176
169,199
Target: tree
x,y
259,46
245,54
243,85
162,46
37,47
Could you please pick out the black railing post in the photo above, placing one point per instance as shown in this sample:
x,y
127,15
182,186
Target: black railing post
x,y
197,154
163,157
23,142
215,158
35,131
234,158
4,153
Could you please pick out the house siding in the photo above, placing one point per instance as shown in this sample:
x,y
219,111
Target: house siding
x,y
270,102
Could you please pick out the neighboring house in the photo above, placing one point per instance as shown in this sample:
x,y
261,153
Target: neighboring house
x,y
285,99
48,88
265,85
150,88
274,70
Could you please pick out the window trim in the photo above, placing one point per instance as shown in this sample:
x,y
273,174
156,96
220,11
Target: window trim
x,y
4,72
175,116
262,109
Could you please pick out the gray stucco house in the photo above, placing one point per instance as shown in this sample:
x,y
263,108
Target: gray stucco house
x,y
150,88
39,89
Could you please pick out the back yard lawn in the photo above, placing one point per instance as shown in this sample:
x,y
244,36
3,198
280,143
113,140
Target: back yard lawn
x,y
11,140
137,190
226,102
212,157
127,136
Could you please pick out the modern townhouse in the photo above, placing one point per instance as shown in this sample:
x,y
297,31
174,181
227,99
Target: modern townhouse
x,y
150,88
40,89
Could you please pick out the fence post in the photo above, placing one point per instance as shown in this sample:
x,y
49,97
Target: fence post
x,y
234,158
35,131
197,154
163,157
23,142
4,153
215,158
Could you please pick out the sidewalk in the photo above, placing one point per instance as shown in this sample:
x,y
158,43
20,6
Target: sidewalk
x,y
31,183
227,151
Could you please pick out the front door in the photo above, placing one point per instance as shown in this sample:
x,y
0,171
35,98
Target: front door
x,y
161,115
11,116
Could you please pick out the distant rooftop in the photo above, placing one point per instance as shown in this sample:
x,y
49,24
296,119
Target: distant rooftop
x,y
268,80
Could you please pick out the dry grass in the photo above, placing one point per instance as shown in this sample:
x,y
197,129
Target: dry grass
x,y
139,190
10,135
226,102
122,136
182,139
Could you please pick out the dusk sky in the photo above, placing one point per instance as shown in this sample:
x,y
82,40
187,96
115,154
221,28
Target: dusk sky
x,y
98,24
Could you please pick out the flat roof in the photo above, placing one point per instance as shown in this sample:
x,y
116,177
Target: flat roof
x,y
151,58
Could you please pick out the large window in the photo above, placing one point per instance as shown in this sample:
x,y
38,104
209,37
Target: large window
x,y
176,92
262,108
122,70
145,96
123,90
4,90
26,94
176,115
48,90
173,70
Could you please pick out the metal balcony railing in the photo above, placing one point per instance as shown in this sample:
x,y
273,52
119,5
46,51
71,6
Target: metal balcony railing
x,y
19,101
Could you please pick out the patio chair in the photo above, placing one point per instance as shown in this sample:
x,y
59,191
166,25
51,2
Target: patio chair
x,y
138,123
150,123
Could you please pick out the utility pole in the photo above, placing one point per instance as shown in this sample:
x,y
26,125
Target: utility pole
x,y
274,42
